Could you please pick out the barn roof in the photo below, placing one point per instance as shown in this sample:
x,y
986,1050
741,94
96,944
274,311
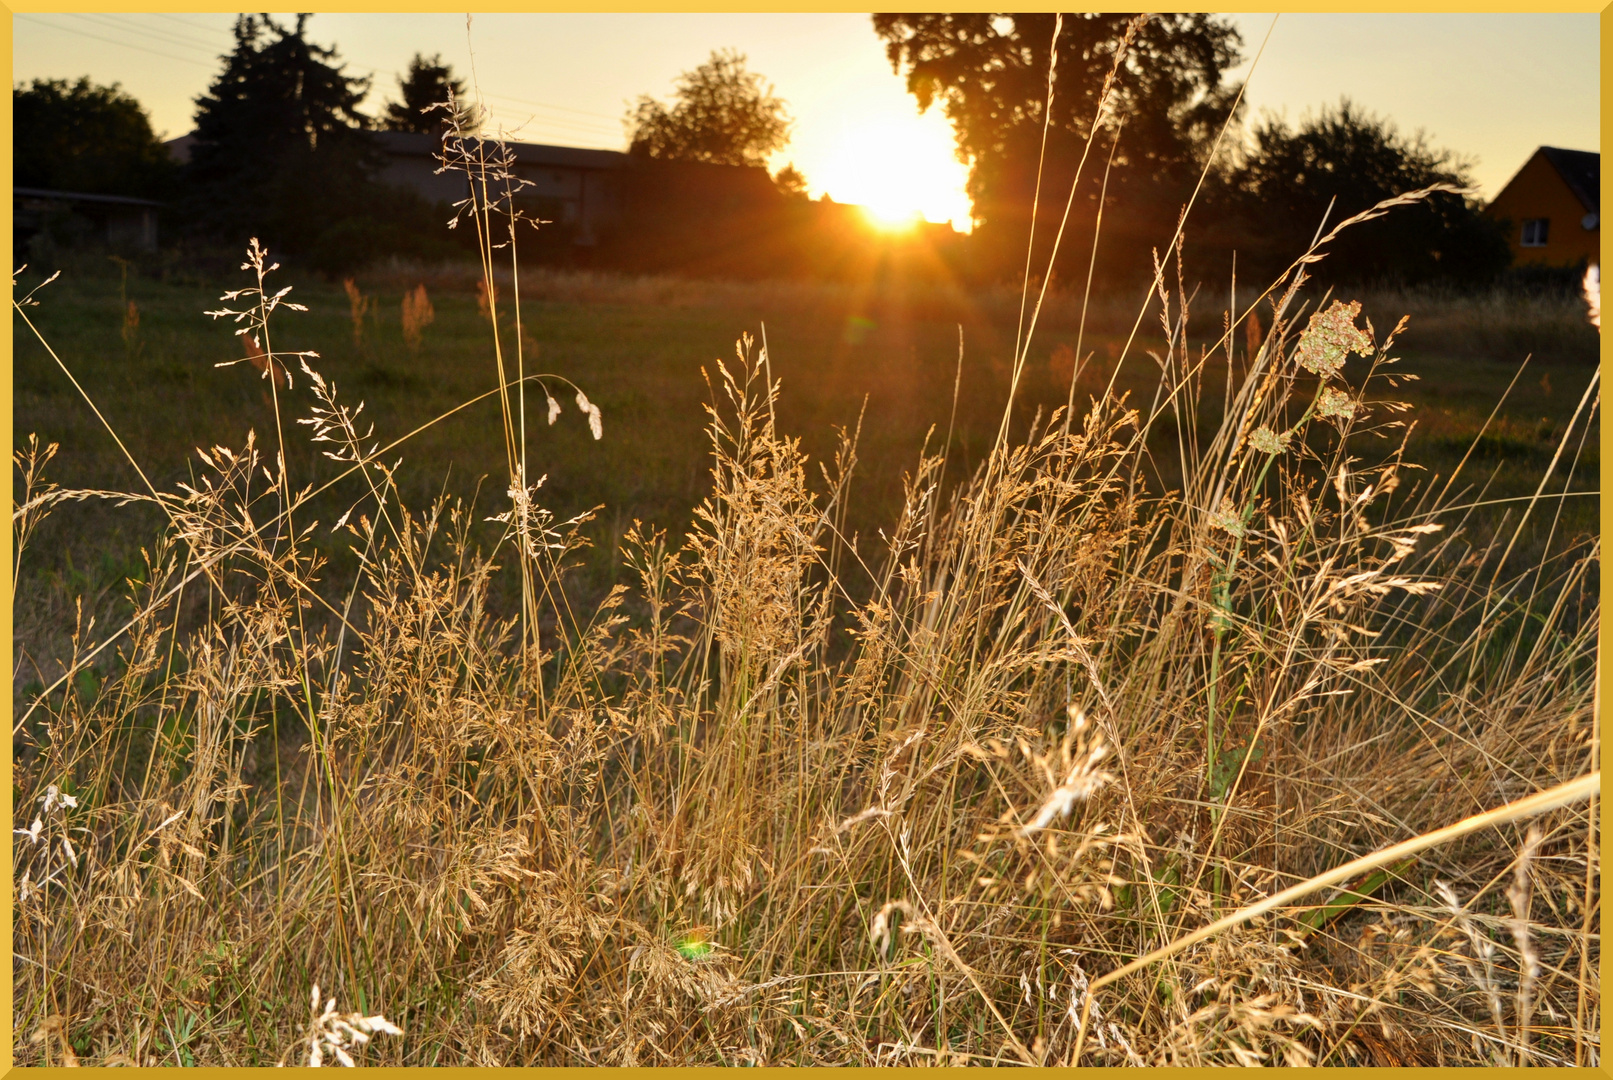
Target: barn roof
x,y
1581,170
79,196
411,144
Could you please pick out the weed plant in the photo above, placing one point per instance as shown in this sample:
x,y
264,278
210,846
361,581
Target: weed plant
x,y
966,796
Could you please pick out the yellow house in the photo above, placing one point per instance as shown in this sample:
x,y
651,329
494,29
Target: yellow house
x,y
1553,208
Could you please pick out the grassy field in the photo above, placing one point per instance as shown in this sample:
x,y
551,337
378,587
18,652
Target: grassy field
x,y
638,348
944,762
882,356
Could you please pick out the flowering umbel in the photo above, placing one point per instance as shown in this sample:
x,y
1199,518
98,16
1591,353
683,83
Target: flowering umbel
x,y
1331,336
1268,441
1334,403
1227,519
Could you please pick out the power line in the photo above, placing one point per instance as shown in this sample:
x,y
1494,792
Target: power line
x,y
102,21
501,97
111,41
182,21
113,22
544,105
559,124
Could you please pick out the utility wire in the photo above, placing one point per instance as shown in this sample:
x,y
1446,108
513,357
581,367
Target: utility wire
x,y
111,41
562,125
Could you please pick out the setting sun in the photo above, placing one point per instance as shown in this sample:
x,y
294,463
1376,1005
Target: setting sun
x,y
893,216
899,167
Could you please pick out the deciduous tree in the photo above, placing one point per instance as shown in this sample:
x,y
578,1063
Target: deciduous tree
x,y
989,72
1336,163
721,114
83,137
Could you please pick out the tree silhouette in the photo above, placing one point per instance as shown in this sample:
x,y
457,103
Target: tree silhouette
x,y
429,83
283,153
722,114
791,182
83,137
1337,163
989,72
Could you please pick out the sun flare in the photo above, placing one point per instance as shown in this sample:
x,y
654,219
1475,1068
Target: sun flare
x,y
894,215
900,169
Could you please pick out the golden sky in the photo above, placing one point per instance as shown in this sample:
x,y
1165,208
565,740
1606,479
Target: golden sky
x,y
1491,87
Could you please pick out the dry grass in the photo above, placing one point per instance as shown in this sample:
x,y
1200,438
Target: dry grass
x,y
783,800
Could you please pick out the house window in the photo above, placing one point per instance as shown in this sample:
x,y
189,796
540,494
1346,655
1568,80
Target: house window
x,y
1534,231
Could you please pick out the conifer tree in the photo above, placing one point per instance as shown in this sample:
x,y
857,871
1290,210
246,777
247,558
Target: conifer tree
x,y
427,85
281,148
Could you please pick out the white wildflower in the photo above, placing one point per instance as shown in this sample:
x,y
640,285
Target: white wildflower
x,y
1226,518
1591,289
54,797
1083,779
880,931
596,422
1334,403
1268,441
332,1032
378,1025
1331,336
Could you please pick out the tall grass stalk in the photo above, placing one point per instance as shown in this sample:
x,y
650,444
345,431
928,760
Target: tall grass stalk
x,y
1029,781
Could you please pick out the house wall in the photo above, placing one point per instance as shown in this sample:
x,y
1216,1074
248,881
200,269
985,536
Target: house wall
x,y
420,173
1538,191
133,228
123,225
579,197
585,197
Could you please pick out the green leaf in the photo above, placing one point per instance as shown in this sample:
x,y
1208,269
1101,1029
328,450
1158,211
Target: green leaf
x,y
1226,768
1317,918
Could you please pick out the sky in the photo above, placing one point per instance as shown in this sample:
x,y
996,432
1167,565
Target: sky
x,y
1489,87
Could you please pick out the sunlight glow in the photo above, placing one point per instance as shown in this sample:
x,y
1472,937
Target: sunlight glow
x,y
893,216
899,167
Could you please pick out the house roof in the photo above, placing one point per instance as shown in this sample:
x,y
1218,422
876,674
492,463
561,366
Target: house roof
x,y
1581,170
79,196
179,149
412,144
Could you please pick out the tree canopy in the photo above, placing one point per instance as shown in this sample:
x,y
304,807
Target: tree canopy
x,y
282,152
428,83
278,93
1336,163
87,138
989,72
721,114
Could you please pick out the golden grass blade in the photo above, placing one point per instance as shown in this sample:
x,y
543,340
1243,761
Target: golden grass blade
x,y
1567,794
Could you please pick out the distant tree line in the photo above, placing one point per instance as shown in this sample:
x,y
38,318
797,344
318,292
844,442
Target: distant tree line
x,y
280,150
86,138
1144,103
1138,128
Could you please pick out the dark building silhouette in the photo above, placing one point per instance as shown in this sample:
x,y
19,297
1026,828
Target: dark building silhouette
x,y
607,209
119,221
